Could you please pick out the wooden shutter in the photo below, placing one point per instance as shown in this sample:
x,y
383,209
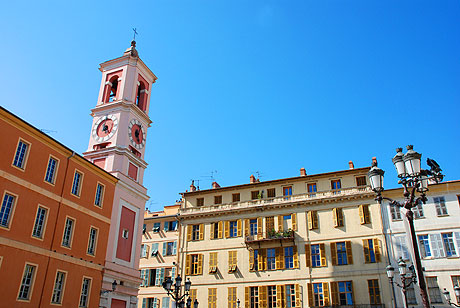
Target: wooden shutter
x,y
340,217
322,249
352,292
294,221
280,223
295,257
189,233
315,219
162,276
230,261
367,257
238,226
201,232
220,228
298,303
263,296
246,297
308,255
213,229
269,224
262,260
174,252
251,260
349,252
334,253
227,229
246,227
210,293
310,220
334,217
200,264
260,222
188,260
367,214
362,218
335,293
166,226
279,258
377,251
280,296
311,302
326,293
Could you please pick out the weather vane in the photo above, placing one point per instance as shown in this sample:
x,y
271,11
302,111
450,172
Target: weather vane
x,y
135,32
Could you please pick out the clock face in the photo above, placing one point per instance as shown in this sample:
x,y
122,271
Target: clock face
x,y
136,134
104,128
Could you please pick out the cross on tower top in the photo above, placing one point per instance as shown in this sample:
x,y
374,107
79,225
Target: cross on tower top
x,y
135,32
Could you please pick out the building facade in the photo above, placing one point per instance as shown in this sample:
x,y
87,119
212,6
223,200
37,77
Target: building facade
x,y
307,241
437,227
159,251
117,144
55,219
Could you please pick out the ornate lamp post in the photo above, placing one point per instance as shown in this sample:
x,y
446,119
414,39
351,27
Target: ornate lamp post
x,y
175,292
407,278
447,295
414,180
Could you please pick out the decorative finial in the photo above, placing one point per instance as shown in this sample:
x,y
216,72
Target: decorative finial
x,y
410,147
398,150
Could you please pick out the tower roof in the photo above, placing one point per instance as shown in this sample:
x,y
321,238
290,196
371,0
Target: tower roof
x,y
132,50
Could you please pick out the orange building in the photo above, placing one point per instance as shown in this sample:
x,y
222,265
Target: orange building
x,y
55,219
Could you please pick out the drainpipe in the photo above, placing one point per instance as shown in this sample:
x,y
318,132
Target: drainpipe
x,y
55,226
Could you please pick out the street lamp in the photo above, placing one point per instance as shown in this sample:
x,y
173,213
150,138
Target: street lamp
x,y
406,278
175,292
447,295
414,180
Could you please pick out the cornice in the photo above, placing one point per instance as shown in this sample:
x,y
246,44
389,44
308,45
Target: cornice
x,y
118,150
118,106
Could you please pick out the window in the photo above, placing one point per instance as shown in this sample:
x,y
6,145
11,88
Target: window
x,y
337,215
271,296
341,252
217,199
68,232
371,250
144,251
132,171
76,185
342,293
212,298
195,232
424,246
51,170
156,227
27,281
318,294
84,295
170,226
289,257
271,259
271,193
433,290
21,155
92,241
440,203
253,227
154,249
312,220
99,195
194,264
233,228
39,224
315,256
448,240
58,288
235,197
169,248
361,181
410,294
254,297
401,248
232,261
199,201
213,262
232,297
254,194
364,214
395,212
216,230
336,185
125,234
6,210
418,211
311,189
374,291
290,295
287,191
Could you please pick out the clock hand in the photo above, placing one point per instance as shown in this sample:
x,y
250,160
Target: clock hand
x,y
136,134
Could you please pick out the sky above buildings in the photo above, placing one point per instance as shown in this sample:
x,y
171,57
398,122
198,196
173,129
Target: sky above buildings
x,y
247,87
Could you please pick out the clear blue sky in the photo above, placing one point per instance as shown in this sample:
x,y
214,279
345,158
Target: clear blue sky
x,y
246,86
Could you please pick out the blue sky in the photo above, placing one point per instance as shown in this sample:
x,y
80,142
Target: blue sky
x,y
247,86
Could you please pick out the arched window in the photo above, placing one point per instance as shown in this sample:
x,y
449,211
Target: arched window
x,y
111,90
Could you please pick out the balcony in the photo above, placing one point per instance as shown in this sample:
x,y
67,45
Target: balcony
x,y
328,194
269,236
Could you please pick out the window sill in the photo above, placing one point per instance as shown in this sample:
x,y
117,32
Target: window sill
x,y
443,215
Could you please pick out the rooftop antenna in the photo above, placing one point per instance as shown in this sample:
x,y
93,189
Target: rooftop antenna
x,y
259,174
135,32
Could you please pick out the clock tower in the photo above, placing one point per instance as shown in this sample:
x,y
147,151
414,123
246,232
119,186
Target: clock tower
x,y
117,144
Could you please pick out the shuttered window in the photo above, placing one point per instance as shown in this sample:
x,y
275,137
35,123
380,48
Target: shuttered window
x,y
216,230
341,253
232,261
374,291
269,224
195,232
342,293
318,294
213,262
212,298
194,264
232,297
371,250
233,228
317,254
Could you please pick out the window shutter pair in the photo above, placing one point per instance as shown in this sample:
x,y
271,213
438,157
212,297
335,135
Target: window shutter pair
x,y
294,221
325,294
160,276
338,217
263,296
364,215
312,220
308,255
280,296
279,258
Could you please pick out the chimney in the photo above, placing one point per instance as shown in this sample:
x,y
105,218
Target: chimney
x,y
303,172
351,165
192,186
215,185
252,179
374,160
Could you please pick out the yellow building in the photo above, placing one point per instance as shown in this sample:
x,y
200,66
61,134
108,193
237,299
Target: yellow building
x,y
307,241
159,252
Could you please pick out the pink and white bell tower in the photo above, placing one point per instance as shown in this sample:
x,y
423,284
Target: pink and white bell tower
x,y
117,144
